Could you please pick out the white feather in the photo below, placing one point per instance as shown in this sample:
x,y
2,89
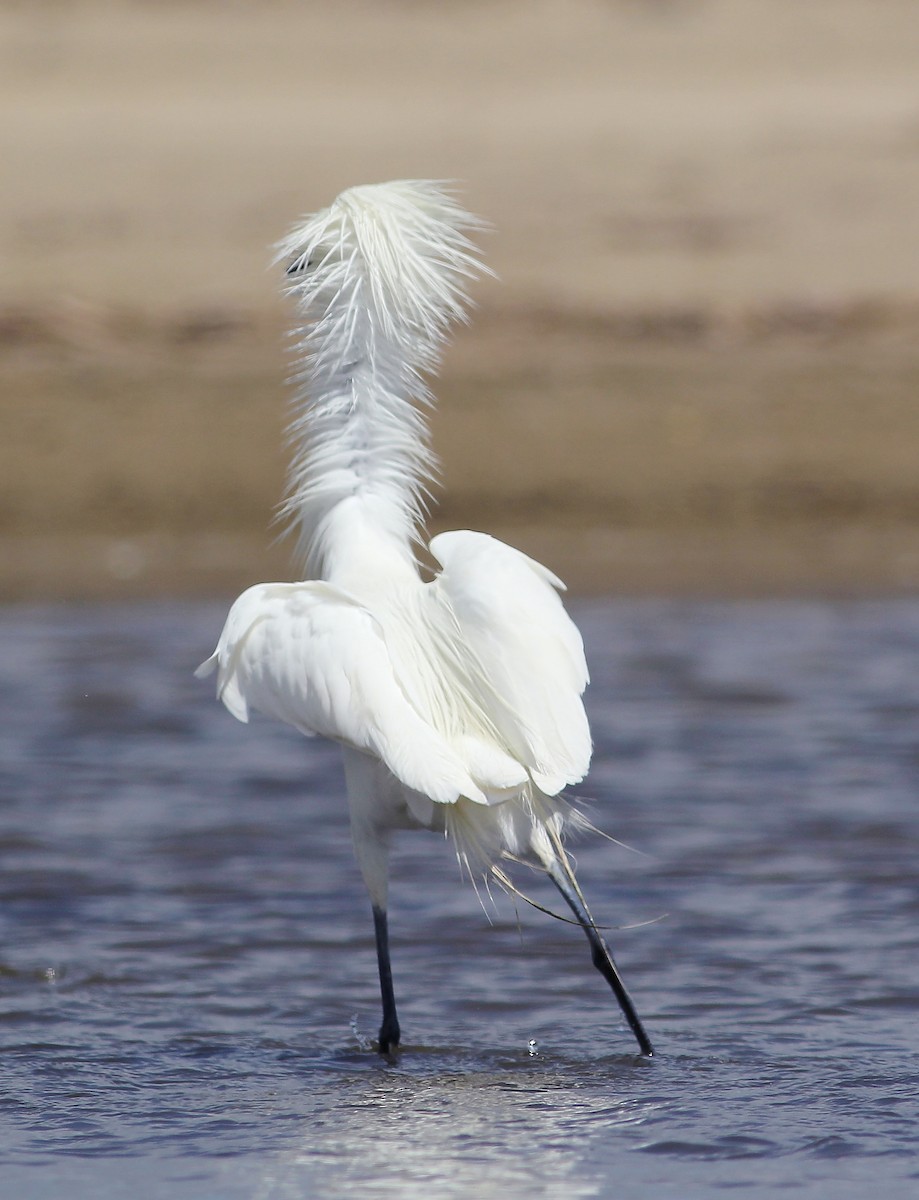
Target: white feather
x,y
378,279
529,661
309,655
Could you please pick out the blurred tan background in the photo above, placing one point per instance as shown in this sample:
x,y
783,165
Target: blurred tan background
x,y
696,373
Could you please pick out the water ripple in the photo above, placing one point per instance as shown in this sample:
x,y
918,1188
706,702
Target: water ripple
x,y
187,982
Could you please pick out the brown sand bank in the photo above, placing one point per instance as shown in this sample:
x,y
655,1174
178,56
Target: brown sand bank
x,y
697,373
772,465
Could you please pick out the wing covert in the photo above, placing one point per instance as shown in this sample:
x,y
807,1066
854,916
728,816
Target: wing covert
x,y
529,653
311,656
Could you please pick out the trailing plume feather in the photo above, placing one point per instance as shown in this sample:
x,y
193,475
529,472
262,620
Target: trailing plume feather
x,y
378,279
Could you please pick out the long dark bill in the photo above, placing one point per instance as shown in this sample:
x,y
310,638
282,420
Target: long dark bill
x,y
562,876
389,1030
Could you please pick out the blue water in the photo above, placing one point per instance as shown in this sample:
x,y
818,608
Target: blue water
x,y
187,977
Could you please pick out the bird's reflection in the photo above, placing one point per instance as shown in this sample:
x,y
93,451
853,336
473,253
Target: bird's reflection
x,y
508,1133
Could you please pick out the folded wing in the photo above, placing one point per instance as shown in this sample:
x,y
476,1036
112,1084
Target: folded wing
x,y
309,655
530,668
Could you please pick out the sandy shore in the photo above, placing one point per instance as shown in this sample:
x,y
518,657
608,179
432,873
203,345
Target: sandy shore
x,y
696,373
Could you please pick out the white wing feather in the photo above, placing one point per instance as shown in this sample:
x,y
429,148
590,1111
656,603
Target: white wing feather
x,y
531,667
313,657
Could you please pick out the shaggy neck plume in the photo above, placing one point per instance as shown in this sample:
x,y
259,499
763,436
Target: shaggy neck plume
x,y
378,279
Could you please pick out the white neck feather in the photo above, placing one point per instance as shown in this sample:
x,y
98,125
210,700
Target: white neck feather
x,y
378,278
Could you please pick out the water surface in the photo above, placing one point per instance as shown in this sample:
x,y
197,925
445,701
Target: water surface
x,y
187,977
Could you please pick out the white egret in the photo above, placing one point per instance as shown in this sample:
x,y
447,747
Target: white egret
x,y
456,699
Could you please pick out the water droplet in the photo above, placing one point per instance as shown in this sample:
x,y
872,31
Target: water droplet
x,y
363,1042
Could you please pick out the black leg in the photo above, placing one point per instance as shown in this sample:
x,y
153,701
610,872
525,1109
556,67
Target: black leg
x,y
602,956
389,1030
